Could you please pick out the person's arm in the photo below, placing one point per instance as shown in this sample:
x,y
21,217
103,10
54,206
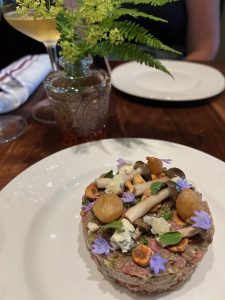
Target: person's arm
x,y
203,30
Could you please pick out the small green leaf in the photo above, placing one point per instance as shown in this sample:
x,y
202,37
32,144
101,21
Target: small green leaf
x,y
143,240
156,187
85,201
166,214
109,174
112,225
170,238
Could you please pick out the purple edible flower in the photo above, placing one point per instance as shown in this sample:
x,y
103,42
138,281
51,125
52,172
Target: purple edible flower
x,y
120,162
128,198
167,160
87,207
202,220
101,246
183,184
157,263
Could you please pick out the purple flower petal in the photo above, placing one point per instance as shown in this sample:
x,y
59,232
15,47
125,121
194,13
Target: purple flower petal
x,y
87,207
167,160
101,246
128,198
183,184
202,220
157,263
121,162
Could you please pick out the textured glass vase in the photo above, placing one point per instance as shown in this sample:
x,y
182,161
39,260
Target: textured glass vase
x,y
79,97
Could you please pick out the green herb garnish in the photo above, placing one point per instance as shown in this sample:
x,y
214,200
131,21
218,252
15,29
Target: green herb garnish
x,y
166,214
143,240
112,225
85,201
170,238
98,28
109,174
156,187
39,8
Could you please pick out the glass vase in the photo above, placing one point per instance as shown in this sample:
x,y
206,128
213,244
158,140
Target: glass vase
x,y
79,97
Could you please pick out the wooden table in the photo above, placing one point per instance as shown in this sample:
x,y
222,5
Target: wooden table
x,y
198,124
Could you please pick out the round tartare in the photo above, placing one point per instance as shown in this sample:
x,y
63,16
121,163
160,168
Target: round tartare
x,y
146,226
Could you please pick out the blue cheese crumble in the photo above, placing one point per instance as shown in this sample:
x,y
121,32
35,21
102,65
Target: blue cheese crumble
x,y
123,238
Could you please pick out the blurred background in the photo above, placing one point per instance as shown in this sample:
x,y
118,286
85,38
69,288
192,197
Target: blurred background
x,y
221,53
14,44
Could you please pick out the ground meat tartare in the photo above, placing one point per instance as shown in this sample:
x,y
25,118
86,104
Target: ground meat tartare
x,y
145,225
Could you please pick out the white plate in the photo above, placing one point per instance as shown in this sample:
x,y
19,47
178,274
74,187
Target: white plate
x,y
42,252
192,81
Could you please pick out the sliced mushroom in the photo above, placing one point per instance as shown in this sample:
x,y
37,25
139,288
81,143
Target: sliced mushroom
x,y
155,165
129,186
133,173
91,191
176,219
125,169
173,189
147,193
155,208
139,189
102,182
141,208
180,247
141,224
137,233
175,172
189,231
138,179
145,172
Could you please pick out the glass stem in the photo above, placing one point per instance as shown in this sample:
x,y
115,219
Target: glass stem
x,y
51,50
108,65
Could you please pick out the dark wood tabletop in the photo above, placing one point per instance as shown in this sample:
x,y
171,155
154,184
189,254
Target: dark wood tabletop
x,y
198,124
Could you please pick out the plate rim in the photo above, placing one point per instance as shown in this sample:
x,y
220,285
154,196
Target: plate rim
x,y
42,160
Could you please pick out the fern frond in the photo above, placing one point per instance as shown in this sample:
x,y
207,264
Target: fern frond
x,y
150,2
135,32
79,3
128,51
134,13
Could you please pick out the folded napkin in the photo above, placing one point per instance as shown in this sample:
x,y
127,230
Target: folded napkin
x,y
20,79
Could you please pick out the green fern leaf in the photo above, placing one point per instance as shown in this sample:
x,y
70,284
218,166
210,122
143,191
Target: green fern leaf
x,y
150,2
134,32
134,13
128,51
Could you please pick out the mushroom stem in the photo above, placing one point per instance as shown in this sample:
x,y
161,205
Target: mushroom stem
x,y
139,189
137,234
189,231
102,182
133,173
141,208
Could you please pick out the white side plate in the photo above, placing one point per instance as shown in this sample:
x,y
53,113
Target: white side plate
x,y
192,81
